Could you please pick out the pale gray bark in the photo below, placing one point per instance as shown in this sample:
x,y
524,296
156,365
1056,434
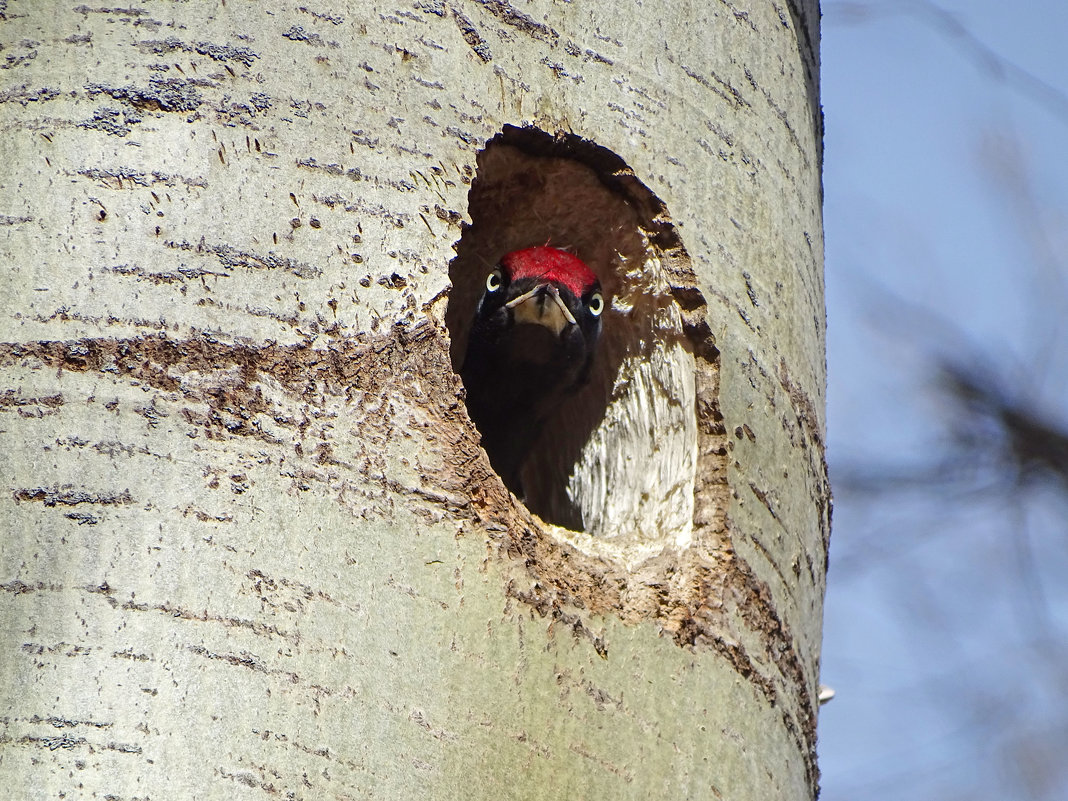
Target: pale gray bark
x,y
250,546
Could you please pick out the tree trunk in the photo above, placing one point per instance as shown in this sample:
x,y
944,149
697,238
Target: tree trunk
x,y
251,545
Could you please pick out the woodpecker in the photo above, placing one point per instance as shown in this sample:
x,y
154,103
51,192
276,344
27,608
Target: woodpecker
x,y
531,346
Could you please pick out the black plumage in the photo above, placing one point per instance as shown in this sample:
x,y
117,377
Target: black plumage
x,y
531,346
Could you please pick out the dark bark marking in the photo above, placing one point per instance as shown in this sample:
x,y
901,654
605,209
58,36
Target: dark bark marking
x,y
780,114
82,518
111,121
124,12
471,35
68,496
206,517
297,34
65,723
802,403
161,94
244,659
762,496
15,398
216,52
333,19
23,95
53,743
449,216
740,15
329,169
171,610
718,86
135,178
547,606
17,587
68,742
759,612
524,23
231,258
181,275
808,420
593,55
11,60
129,654
559,71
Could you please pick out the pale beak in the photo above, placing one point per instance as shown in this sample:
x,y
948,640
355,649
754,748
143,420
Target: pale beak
x,y
542,305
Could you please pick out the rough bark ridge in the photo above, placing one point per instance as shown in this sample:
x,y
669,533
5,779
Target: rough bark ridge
x,y
254,547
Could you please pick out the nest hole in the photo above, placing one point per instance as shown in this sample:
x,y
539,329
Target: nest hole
x,y
617,460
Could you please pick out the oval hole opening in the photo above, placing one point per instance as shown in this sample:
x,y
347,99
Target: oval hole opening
x,y
617,459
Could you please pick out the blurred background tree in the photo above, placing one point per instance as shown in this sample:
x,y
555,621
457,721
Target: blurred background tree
x,y
946,635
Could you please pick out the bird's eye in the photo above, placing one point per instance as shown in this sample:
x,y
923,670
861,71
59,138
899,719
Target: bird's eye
x,y
493,281
596,304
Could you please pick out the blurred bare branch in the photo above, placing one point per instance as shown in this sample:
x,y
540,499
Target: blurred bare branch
x,y
1002,158
957,34
955,528
1030,446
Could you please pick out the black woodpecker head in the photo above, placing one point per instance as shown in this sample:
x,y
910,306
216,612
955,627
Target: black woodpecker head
x,y
531,347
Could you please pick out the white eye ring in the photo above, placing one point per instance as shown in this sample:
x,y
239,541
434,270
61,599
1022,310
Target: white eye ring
x,y
493,281
596,304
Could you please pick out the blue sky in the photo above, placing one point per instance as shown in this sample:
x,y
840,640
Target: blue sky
x,y
946,219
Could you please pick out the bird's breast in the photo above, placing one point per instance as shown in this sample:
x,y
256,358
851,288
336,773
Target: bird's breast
x,y
534,344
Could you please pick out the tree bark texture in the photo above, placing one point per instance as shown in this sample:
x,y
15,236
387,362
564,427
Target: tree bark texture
x,y
250,545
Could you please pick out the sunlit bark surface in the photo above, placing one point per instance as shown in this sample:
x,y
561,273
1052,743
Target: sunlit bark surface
x,y
250,546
